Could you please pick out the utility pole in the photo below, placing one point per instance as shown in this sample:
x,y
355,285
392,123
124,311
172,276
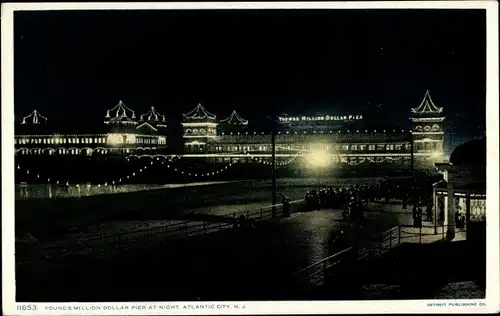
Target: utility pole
x,y
412,157
273,162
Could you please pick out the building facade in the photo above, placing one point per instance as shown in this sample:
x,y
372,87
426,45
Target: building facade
x,y
121,133
346,139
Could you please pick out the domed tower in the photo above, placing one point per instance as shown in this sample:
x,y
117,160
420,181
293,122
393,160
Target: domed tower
x,y
153,118
200,129
233,123
122,124
34,118
427,131
120,115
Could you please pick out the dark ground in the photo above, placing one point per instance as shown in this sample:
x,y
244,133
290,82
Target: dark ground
x,y
227,265
222,266
414,271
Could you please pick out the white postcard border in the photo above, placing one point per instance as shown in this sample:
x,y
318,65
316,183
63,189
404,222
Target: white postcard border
x,y
490,304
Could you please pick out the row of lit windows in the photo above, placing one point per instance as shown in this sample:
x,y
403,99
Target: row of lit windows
x,y
354,147
427,128
201,131
147,140
307,132
428,145
58,140
62,151
86,140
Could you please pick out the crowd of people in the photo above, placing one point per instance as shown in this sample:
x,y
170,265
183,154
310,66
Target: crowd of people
x,y
353,198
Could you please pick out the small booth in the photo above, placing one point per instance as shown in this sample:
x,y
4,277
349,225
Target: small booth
x,y
460,198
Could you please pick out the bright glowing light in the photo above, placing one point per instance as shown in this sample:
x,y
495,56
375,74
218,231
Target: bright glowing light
x,y
437,154
318,158
115,139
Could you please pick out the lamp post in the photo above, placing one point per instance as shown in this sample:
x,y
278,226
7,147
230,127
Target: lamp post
x,y
274,122
273,162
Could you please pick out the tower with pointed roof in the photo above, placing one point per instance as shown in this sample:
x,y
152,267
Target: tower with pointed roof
x,y
34,118
153,118
199,129
120,114
233,123
427,131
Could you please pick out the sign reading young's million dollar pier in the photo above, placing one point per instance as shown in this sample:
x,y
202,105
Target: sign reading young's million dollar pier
x,y
320,118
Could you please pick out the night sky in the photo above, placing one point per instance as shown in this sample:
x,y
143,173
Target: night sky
x,y
80,63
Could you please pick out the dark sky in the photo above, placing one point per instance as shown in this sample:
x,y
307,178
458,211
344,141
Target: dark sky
x,y
79,63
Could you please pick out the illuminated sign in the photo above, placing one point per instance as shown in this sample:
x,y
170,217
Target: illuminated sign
x,y
320,118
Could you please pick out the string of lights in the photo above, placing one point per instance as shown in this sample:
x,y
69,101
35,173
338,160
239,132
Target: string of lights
x,y
144,168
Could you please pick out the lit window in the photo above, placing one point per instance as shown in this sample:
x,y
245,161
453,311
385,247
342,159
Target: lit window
x,y
354,147
371,147
362,147
389,147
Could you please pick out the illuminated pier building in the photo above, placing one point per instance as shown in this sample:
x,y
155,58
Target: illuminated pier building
x,y
345,139
122,132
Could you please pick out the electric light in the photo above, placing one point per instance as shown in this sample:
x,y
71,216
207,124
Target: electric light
x,y
115,139
318,158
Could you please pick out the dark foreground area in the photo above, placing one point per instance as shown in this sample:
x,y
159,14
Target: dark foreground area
x,y
236,265
411,271
233,264
221,266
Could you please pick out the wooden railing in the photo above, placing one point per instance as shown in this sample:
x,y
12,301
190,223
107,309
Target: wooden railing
x,y
317,273
106,245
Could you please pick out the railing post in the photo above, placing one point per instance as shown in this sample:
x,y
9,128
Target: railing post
x,y
442,232
324,271
380,242
399,234
420,234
